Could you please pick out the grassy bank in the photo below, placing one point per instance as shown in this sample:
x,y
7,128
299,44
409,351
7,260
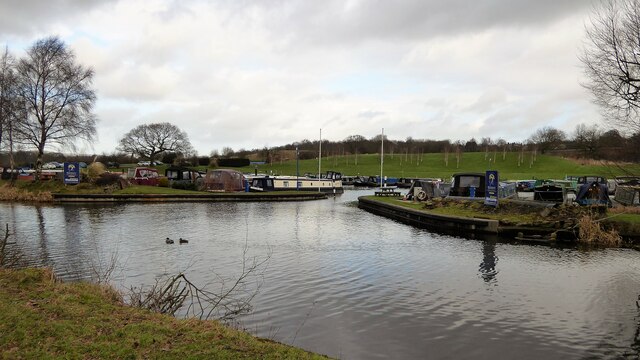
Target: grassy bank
x,y
45,319
41,191
433,165
624,220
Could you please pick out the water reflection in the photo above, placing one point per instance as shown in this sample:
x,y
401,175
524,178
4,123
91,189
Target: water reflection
x,y
488,265
347,283
44,253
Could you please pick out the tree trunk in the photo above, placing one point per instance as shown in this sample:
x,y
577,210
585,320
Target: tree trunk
x,y
12,163
39,163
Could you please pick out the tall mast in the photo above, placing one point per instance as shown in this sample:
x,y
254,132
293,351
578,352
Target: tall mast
x,y
319,159
381,158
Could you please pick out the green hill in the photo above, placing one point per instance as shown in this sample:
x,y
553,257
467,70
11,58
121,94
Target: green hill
x,y
433,165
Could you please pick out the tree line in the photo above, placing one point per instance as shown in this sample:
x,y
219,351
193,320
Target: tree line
x,y
46,99
586,141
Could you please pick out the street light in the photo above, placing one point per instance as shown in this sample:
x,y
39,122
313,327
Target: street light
x,y
297,169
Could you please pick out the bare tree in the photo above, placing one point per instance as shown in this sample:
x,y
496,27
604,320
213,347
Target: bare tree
x,y
548,138
57,95
10,111
7,90
151,140
227,151
611,58
232,298
587,139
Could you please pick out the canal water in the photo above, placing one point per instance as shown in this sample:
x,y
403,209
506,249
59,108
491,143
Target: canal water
x,y
343,282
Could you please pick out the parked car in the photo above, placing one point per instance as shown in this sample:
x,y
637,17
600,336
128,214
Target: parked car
x,y
148,163
52,165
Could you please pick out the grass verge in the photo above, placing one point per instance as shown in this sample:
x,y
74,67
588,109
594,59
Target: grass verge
x,y
45,319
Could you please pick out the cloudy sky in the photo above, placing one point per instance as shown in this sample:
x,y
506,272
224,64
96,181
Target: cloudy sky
x,y
249,74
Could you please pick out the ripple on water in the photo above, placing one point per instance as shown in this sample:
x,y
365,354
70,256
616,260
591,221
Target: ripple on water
x,y
347,283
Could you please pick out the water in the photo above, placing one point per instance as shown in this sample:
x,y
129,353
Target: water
x,y
350,284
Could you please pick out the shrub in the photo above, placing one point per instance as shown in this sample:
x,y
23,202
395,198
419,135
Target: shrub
x,y
163,182
233,162
183,185
94,170
107,179
203,160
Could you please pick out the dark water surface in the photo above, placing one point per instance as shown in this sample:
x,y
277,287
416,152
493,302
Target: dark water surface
x,y
349,284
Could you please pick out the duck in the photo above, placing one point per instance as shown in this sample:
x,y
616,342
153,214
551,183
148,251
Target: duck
x,y
183,241
169,241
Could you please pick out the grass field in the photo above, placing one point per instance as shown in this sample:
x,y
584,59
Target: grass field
x,y
433,165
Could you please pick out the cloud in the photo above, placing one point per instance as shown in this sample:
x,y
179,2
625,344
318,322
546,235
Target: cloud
x,y
28,17
246,74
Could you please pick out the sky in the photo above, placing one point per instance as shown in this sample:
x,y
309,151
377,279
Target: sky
x,y
252,74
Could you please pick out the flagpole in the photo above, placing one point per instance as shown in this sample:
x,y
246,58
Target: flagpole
x,y
319,159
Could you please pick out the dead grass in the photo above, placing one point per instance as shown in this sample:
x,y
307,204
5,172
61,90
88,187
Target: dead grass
x,y
625,210
590,232
9,193
593,162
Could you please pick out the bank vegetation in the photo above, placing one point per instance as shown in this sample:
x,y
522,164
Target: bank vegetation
x,y
43,318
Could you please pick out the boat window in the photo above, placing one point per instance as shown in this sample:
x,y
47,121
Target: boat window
x,y
269,182
468,181
285,183
172,174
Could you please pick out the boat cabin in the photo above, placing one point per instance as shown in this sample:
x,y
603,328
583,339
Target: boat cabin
x,y
143,176
224,180
628,194
550,192
593,193
426,189
468,185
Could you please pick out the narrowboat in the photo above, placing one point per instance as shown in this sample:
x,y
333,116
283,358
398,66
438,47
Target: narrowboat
x,y
329,183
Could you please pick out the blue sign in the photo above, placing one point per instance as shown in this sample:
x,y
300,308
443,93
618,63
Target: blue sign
x,y
72,173
491,188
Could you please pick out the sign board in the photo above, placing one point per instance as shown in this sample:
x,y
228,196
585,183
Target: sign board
x,y
71,173
491,188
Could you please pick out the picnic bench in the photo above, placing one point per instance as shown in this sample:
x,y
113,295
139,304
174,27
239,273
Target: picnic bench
x,y
388,191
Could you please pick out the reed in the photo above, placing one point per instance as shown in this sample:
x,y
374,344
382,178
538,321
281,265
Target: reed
x,y
590,232
12,193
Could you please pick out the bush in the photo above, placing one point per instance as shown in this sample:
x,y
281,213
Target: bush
x,y
163,182
94,170
107,179
203,161
234,162
183,185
